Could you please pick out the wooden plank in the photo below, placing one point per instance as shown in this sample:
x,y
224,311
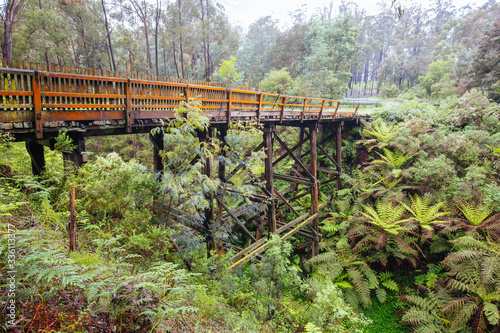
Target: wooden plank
x,y
259,110
314,190
37,106
321,110
283,109
300,143
128,106
286,203
297,160
329,157
229,107
242,226
269,176
303,111
293,179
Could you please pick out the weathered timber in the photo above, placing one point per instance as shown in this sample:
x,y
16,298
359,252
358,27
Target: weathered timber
x,y
242,226
314,190
297,160
322,169
338,143
268,176
303,181
36,152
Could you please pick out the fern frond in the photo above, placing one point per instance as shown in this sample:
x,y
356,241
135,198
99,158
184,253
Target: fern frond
x,y
475,214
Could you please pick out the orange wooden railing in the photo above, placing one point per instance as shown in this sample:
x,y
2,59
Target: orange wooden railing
x,y
40,97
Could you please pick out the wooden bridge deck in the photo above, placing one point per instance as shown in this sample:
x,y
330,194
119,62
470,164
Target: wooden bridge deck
x,y
37,104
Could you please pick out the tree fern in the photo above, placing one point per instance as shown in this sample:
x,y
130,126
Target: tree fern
x,y
475,214
424,213
425,313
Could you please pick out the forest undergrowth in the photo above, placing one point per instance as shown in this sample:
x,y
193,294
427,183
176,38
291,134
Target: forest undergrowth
x,y
409,245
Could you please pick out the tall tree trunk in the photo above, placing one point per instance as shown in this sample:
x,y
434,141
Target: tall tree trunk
x,y
204,31
209,60
109,35
175,59
180,38
158,12
84,44
12,9
148,51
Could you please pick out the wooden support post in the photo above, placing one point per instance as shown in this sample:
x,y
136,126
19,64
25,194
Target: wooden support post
x,y
158,145
222,132
35,150
37,105
77,157
269,176
128,106
229,107
339,154
209,218
314,190
298,152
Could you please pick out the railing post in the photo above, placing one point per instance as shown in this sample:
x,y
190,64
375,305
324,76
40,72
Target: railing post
x,y
128,105
321,110
283,109
303,110
37,105
186,93
229,107
259,110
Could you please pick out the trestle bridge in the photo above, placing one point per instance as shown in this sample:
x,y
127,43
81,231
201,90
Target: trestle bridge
x,y
36,103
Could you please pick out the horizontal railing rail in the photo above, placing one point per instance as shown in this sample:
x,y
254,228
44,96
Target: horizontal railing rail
x,y
40,97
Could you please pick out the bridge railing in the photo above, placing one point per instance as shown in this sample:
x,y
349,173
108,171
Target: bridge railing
x,y
37,99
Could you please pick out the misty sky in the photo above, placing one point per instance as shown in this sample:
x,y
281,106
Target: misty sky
x,y
244,12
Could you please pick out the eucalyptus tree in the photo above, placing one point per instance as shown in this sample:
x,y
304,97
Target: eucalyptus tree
x,y
331,46
256,51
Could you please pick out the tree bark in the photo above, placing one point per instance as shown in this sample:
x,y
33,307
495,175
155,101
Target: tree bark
x,y
180,38
109,35
158,12
12,9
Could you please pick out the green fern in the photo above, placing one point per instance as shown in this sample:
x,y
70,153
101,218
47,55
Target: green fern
x,y
392,160
386,217
475,214
424,213
348,271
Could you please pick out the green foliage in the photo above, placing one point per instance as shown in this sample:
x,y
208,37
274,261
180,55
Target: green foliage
x,y
277,82
426,313
429,279
383,316
64,143
383,234
475,276
348,271
437,70
390,92
380,133
227,72
424,213
330,313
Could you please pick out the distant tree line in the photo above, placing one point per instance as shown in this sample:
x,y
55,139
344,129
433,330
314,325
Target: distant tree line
x,y
436,51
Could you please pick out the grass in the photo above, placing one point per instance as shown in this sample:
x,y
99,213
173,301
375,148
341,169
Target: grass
x,y
384,317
